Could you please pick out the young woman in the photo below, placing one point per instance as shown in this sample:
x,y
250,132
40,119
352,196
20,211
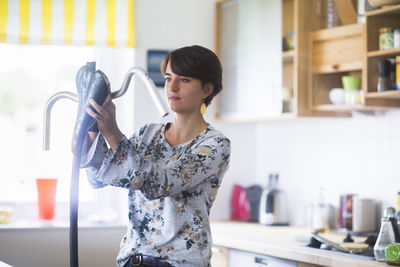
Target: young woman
x,y
172,170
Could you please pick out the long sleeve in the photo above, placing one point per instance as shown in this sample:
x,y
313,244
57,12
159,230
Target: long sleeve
x,y
170,189
92,159
136,164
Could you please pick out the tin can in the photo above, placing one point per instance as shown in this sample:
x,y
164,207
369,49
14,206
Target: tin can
x,y
398,72
346,211
386,38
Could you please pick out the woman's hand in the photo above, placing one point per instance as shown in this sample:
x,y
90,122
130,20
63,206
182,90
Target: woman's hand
x,y
106,122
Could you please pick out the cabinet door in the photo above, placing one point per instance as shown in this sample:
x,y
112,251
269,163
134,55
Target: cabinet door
x,y
249,45
239,258
219,256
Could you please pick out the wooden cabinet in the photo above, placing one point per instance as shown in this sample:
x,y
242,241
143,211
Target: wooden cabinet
x,y
315,65
351,50
335,52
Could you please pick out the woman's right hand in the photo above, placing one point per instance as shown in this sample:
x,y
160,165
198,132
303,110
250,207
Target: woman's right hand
x,y
106,122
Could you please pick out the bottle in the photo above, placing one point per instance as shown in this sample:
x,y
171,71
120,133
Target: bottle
x,y
320,213
326,10
332,16
388,234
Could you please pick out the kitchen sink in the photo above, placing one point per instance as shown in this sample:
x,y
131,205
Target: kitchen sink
x,y
367,257
317,242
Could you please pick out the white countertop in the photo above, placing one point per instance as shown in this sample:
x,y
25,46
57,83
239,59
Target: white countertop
x,y
280,241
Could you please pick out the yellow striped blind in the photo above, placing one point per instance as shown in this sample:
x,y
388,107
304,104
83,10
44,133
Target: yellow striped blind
x,y
68,22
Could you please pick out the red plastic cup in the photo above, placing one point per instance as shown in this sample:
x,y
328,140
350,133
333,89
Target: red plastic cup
x,y
46,197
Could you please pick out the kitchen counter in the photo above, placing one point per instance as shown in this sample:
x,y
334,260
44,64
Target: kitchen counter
x,y
280,241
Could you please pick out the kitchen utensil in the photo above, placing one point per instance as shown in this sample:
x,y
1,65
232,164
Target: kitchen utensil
x,y
355,248
273,208
240,205
253,194
245,203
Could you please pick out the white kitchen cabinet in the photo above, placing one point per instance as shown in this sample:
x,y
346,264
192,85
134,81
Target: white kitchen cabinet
x,y
249,44
240,258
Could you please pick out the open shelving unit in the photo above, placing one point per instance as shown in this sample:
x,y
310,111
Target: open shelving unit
x,y
335,52
376,19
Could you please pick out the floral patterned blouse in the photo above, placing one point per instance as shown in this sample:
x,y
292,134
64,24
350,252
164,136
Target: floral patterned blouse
x,y
171,191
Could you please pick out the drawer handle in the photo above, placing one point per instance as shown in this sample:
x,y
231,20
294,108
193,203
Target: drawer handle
x,y
335,66
262,261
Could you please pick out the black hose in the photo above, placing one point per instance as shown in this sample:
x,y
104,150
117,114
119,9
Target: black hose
x,y
73,209
90,84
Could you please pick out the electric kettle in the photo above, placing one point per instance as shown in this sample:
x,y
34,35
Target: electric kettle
x,y
273,206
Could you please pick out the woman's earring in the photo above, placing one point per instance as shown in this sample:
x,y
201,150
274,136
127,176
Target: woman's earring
x,y
203,108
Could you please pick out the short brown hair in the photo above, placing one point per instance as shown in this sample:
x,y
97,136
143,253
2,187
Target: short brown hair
x,y
197,62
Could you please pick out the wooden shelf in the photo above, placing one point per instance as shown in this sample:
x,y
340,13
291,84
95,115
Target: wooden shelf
x,y
337,32
384,11
384,53
384,94
337,49
287,56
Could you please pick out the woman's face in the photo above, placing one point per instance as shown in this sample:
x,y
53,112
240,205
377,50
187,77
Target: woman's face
x,y
184,94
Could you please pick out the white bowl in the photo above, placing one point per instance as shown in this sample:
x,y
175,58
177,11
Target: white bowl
x,y
336,96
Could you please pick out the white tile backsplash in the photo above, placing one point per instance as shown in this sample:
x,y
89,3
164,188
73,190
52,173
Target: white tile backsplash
x,y
343,155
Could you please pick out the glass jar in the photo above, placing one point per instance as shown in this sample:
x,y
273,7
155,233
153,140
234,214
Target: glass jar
x,y
326,10
386,38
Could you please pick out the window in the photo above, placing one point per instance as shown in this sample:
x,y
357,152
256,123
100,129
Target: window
x,y
29,76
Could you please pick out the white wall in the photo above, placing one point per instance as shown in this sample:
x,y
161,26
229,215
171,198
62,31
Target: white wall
x,y
346,155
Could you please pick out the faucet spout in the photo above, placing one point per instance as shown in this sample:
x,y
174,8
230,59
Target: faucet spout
x,y
150,86
47,113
